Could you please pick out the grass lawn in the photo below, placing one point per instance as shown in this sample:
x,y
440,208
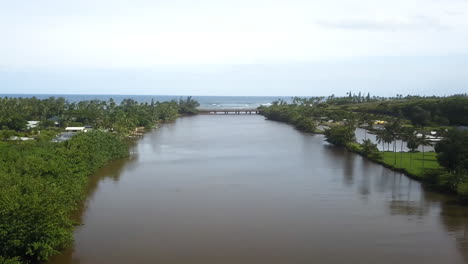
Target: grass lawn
x,y
411,162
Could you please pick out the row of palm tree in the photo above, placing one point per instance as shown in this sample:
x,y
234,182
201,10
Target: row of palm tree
x,y
395,131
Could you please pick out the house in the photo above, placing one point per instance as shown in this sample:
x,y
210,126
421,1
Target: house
x,y
55,119
15,138
380,122
76,129
32,124
64,136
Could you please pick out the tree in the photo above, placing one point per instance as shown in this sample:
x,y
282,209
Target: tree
x,y
452,151
392,133
409,135
370,150
340,135
423,141
380,137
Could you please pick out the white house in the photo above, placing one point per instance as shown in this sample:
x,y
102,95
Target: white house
x,y
32,124
14,138
76,129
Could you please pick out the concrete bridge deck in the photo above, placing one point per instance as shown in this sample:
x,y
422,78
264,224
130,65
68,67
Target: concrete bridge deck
x,y
227,111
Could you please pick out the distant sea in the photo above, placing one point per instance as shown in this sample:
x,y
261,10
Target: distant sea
x,y
205,101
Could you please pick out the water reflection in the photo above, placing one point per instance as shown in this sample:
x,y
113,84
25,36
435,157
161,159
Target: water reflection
x,y
239,189
408,198
111,171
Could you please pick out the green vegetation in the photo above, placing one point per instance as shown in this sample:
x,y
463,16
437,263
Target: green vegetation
x,y
421,111
41,183
303,113
413,163
341,135
121,118
408,119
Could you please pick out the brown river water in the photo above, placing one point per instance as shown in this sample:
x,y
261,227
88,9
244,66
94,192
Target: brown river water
x,y
240,189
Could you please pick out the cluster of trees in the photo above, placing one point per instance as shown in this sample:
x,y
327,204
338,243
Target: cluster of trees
x,y
350,98
433,111
108,115
303,113
41,184
341,135
395,131
452,151
297,115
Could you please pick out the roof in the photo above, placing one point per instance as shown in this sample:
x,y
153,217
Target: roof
x,y
75,128
64,136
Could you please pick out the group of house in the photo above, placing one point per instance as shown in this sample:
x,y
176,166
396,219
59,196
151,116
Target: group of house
x,y
69,132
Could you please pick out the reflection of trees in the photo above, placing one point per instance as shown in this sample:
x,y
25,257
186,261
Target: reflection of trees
x,y
112,170
348,171
364,187
409,208
453,216
455,219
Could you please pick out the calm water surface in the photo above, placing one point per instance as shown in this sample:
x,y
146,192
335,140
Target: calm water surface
x,y
239,189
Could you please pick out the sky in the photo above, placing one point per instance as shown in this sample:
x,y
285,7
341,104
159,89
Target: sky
x,y
242,47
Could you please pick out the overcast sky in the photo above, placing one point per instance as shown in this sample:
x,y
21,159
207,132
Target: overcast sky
x,y
242,47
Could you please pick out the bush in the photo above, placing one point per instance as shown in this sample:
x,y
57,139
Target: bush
x,y
340,135
41,183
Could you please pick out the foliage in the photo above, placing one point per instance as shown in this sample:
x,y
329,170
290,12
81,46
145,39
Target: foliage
x,y
41,183
370,150
453,150
188,106
340,135
121,118
421,111
413,163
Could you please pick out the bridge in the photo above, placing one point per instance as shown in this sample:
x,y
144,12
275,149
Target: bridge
x,y
227,111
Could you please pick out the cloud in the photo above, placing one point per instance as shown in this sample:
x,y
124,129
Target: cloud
x,y
411,23
454,13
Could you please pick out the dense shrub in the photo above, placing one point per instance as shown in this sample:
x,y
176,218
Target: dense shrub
x,y
340,135
41,183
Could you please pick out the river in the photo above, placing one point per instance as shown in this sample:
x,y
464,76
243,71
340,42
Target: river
x,y
240,189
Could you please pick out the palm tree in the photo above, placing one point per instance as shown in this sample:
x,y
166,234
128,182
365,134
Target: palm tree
x,y
423,141
366,119
379,136
413,144
405,136
394,130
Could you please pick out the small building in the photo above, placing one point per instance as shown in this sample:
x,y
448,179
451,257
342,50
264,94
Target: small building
x,y
76,129
380,122
15,138
64,136
32,124
55,119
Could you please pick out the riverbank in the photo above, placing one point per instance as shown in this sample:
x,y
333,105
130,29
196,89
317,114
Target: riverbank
x,y
419,166
210,188
41,185
339,125
414,165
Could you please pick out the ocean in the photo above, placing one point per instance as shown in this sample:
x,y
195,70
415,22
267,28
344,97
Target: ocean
x,y
205,101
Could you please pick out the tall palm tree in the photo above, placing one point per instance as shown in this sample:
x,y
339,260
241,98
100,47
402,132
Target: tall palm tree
x,y
423,141
366,119
406,134
394,131
379,136
413,144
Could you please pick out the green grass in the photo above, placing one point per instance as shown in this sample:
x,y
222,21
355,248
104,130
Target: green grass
x,y
412,162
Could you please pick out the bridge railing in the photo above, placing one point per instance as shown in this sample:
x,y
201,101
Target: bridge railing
x,y
227,111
